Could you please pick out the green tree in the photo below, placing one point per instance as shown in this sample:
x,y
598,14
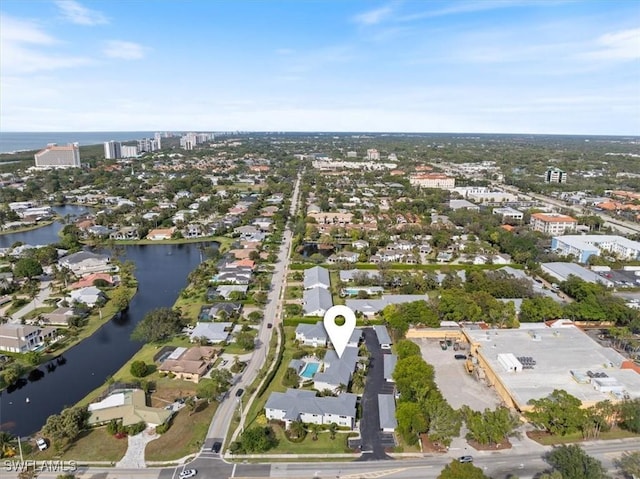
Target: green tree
x,y
411,421
629,411
218,384
66,426
444,422
574,463
291,378
560,413
138,369
457,470
410,376
629,464
297,430
33,357
258,439
245,340
489,427
538,309
158,325
120,298
27,268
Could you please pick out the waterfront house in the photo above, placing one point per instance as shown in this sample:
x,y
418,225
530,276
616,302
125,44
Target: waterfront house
x,y
83,263
190,364
22,338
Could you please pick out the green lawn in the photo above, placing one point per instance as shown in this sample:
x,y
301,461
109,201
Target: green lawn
x,y
91,445
185,436
615,433
323,445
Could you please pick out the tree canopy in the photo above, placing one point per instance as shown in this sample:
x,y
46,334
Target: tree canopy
x,y
574,463
158,325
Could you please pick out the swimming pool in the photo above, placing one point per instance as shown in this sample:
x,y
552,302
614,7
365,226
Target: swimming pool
x,y
309,370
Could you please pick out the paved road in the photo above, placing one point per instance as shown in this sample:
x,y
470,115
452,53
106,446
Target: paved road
x,y
222,419
524,464
38,302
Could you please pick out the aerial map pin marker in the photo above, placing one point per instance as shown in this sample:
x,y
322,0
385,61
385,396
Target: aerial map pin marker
x,y
339,335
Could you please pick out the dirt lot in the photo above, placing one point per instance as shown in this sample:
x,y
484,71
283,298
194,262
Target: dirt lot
x,y
457,386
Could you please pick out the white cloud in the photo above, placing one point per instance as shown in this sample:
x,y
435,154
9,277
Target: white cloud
x,y
373,17
23,31
73,12
23,44
124,50
622,45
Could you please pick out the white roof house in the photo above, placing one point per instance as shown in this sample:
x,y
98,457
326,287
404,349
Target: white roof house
x,y
305,406
316,277
214,332
316,301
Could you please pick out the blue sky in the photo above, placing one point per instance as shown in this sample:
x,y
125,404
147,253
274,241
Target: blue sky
x,y
558,67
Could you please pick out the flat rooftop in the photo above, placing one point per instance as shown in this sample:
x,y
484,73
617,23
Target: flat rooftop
x,y
557,352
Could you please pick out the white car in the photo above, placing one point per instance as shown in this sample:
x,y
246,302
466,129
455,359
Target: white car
x,y
187,473
42,444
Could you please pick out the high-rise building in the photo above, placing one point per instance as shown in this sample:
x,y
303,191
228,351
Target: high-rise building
x,y
129,151
54,156
147,145
555,175
112,150
158,138
373,154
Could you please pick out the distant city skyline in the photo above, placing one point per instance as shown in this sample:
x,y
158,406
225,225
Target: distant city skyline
x,y
521,66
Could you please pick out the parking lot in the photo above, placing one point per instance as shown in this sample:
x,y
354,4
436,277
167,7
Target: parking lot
x,y
457,386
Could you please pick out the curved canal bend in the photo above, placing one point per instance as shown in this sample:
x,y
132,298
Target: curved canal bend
x,y
161,271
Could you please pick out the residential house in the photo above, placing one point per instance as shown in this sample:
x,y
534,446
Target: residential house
x,y
360,245
91,278
225,290
89,296
343,257
337,371
189,364
350,275
125,233
127,407
83,263
312,334
21,338
370,307
59,316
160,234
305,406
220,310
333,219
213,332
316,277
316,301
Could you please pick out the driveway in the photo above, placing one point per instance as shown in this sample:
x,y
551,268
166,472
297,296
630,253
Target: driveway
x,y
373,439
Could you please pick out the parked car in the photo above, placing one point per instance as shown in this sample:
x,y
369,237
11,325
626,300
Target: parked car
x,y
187,473
269,325
465,459
216,447
460,356
42,444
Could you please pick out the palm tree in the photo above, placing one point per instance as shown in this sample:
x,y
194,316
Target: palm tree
x,y
341,388
297,429
315,429
333,427
5,443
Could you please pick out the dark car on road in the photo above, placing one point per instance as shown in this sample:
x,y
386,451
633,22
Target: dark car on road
x,y
239,392
216,447
460,356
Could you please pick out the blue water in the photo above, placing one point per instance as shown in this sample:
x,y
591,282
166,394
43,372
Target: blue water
x,y
20,141
310,370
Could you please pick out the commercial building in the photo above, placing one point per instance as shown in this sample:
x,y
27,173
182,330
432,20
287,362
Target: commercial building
x,y
584,246
54,156
373,154
552,223
530,363
509,214
555,175
562,271
433,180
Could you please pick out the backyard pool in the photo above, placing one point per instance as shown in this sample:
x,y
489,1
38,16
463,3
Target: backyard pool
x,y
309,370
